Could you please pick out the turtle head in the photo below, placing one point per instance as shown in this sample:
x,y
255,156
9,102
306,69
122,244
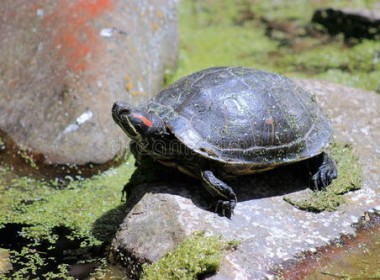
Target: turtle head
x,y
137,124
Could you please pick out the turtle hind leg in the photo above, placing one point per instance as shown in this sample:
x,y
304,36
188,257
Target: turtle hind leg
x,y
323,171
224,196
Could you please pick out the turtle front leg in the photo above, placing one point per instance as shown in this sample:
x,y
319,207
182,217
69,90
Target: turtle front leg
x,y
223,194
324,171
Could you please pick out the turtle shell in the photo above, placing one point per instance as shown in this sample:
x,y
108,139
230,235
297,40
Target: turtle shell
x,y
241,115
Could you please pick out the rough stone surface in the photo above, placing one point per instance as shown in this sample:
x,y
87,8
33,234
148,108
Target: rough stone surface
x,y
64,63
352,23
270,230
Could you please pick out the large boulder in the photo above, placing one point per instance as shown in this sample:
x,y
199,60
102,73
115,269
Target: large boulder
x,y
64,63
270,230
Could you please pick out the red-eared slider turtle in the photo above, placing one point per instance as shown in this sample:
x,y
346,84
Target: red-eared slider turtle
x,y
229,121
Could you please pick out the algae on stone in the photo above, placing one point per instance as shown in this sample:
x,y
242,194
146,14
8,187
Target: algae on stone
x,y
27,157
85,214
196,256
349,179
43,207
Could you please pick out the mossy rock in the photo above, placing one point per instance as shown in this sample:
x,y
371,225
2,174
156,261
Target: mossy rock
x,y
349,179
196,256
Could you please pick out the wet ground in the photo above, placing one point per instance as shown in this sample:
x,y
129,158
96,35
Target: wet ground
x,y
350,257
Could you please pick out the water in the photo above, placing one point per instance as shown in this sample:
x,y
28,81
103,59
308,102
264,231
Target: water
x,y
348,258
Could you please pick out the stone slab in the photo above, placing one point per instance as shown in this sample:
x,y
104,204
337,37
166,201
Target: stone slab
x,y
270,230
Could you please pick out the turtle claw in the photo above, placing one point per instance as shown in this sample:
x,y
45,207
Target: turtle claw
x,y
325,174
224,208
224,198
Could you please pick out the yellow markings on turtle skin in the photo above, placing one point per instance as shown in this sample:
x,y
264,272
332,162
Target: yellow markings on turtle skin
x,y
212,187
127,121
208,151
180,168
249,170
273,166
186,171
168,163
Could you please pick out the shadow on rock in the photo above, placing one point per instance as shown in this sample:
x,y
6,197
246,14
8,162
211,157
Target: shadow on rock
x,y
277,182
156,210
105,226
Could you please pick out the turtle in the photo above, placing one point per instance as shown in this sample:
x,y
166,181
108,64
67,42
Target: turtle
x,y
224,122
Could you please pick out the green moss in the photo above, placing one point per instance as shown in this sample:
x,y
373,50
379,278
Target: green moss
x,y
209,37
215,33
84,214
358,66
349,179
27,157
196,256
301,10
30,262
350,175
318,59
369,81
44,207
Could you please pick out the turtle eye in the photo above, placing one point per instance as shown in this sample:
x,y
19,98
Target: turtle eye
x,y
120,108
124,111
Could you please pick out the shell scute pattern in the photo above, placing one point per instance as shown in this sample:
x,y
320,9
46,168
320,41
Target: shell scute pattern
x,y
235,114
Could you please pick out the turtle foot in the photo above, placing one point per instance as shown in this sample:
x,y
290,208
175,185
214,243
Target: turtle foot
x,y
224,208
224,198
325,173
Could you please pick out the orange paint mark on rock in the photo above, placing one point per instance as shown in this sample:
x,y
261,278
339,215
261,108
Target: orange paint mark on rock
x,y
128,82
137,93
75,39
129,86
155,26
160,14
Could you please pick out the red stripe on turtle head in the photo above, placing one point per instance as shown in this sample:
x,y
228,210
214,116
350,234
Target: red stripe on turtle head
x,y
145,120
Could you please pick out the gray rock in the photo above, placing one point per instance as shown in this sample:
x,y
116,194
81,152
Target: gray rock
x,y
352,23
271,231
64,64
